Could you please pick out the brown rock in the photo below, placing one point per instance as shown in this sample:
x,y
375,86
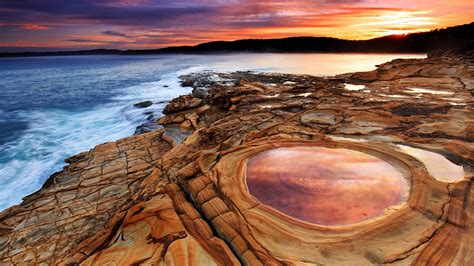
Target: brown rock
x,y
182,103
303,170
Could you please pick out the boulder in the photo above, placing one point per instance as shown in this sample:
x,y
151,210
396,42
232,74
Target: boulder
x,y
143,104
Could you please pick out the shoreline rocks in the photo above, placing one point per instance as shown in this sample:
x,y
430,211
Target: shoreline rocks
x,y
178,195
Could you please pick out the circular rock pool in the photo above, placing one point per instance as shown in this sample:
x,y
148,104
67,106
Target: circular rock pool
x,y
325,186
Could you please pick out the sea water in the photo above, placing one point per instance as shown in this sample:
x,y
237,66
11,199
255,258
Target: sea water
x,y
54,107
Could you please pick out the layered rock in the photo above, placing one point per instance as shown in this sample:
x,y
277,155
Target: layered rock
x,y
179,195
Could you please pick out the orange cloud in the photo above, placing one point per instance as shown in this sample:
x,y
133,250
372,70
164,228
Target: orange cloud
x,y
34,27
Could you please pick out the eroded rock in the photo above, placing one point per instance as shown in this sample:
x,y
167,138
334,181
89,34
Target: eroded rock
x,y
180,195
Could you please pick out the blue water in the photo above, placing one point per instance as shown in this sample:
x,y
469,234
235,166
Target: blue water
x,y
54,107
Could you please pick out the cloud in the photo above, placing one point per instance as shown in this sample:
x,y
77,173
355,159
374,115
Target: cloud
x,y
34,27
101,11
23,27
151,23
85,41
115,33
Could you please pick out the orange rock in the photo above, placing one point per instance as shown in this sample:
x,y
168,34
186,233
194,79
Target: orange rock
x,y
281,170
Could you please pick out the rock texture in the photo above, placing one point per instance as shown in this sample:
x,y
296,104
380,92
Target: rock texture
x,y
179,196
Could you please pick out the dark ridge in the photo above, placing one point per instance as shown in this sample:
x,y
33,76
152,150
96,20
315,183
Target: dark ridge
x,y
423,42
64,53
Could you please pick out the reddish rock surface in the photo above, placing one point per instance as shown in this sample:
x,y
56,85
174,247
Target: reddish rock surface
x,y
179,195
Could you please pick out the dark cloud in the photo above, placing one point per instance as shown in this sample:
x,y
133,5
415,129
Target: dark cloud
x,y
106,12
83,40
10,27
115,33
154,13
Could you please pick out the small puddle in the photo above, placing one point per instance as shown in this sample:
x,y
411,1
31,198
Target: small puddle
x,y
437,165
266,106
273,96
325,186
428,91
455,101
177,134
306,94
353,87
395,96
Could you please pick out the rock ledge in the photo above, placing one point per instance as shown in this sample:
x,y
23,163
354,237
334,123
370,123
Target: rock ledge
x,y
178,195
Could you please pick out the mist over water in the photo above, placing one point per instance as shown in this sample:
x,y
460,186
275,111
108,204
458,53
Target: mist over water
x,y
54,107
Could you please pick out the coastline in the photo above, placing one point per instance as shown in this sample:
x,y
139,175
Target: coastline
x,y
420,42
181,177
75,131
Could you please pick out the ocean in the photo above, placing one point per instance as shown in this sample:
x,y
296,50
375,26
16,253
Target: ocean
x,y
54,107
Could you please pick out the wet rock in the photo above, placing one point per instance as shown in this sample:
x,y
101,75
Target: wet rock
x,y
187,83
200,92
143,104
207,79
149,125
146,127
408,109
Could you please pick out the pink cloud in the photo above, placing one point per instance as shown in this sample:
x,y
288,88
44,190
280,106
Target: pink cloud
x,y
35,27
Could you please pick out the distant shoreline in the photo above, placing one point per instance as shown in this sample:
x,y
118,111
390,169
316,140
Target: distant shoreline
x,y
423,42
80,53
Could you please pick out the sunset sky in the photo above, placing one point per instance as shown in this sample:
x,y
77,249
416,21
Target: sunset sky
x,y
140,24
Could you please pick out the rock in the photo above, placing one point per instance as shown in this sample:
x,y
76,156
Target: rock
x,y
200,93
146,127
187,83
320,117
272,169
143,104
182,103
81,199
207,79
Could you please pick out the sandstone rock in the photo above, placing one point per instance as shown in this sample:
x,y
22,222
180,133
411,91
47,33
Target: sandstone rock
x,y
181,103
202,189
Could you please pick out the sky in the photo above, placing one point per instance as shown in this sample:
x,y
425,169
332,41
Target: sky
x,y
144,24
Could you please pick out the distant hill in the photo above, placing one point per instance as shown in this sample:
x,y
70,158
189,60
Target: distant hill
x,y
449,38
453,37
64,53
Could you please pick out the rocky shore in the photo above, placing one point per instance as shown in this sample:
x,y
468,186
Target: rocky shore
x,y
191,191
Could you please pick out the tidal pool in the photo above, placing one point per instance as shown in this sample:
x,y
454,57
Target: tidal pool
x,y
437,165
323,185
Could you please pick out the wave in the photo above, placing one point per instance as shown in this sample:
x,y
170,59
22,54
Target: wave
x,y
54,134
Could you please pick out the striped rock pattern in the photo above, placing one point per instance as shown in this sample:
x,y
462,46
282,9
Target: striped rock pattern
x,y
179,195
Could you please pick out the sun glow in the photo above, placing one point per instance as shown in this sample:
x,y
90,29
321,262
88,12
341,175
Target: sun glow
x,y
143,24
400,23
